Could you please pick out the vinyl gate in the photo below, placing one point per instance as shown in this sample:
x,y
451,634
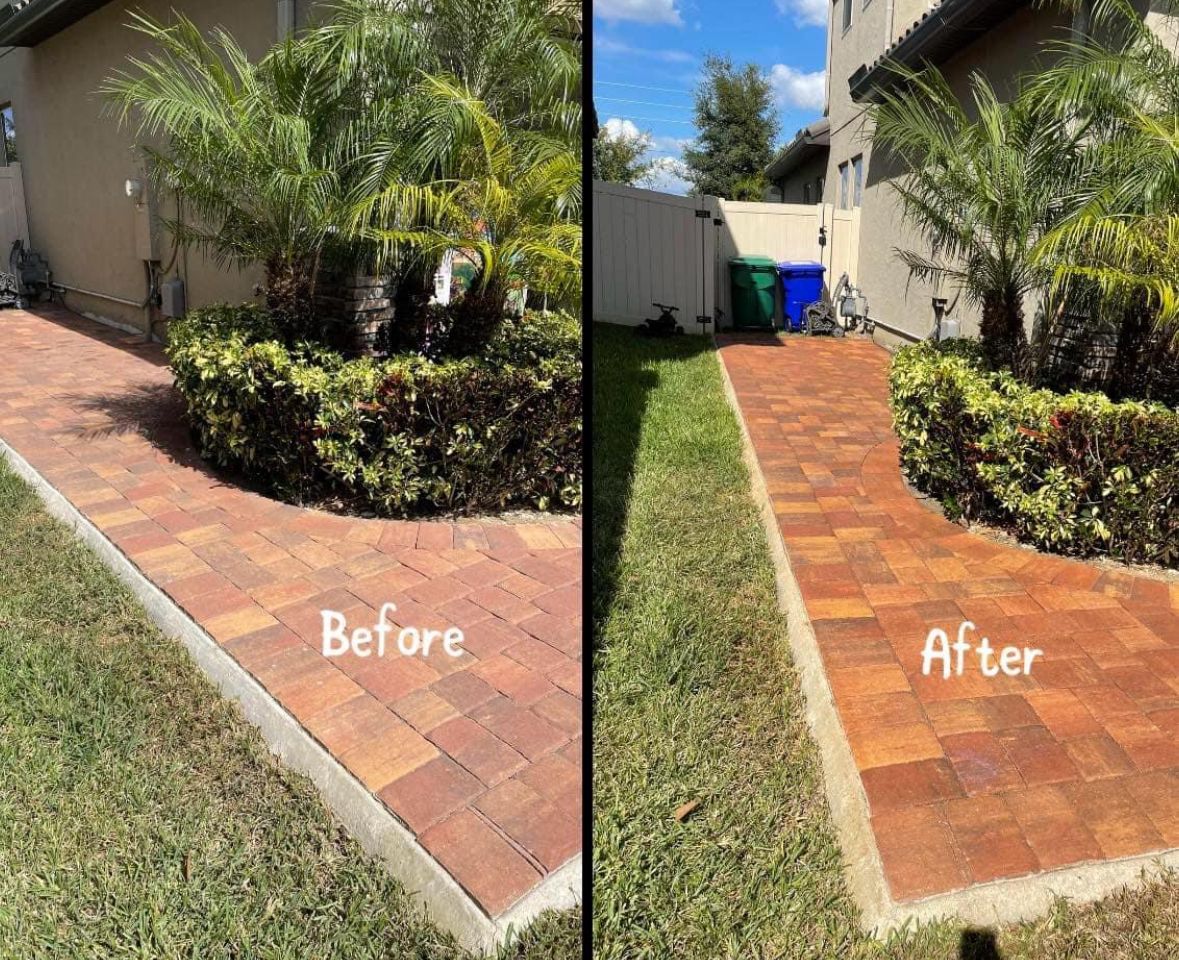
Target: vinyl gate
x,y
652,247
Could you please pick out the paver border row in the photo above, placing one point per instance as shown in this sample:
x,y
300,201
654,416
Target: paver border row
x,y
378,831
1000,901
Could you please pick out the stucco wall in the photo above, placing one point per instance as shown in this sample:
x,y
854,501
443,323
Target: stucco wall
x,y
791,186
895,298
75,157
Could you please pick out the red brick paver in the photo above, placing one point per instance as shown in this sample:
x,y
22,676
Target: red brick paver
x,y
473,754
972,778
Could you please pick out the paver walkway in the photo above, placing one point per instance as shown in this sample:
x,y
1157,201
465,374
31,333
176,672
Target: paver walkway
x,y
478,756
968,779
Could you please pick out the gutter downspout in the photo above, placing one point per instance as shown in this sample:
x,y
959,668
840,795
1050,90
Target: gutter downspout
x,y
286,19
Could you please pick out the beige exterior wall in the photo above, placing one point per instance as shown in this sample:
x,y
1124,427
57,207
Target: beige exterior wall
x,y
75,157
895,298
805,175
1002,54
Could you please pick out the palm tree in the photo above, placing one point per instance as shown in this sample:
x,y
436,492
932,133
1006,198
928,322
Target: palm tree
x,y
254,149
1123,97
513,203
340,145
983,186
520,58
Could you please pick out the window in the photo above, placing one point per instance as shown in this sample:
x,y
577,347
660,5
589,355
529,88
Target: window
x,y
847,14
857,180
819,184
9,144
806,193
843,184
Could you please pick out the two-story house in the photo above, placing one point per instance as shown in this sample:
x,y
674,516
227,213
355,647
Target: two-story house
x,y
831,159
71,184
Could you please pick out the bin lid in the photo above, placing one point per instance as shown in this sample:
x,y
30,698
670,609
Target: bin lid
x,y
801,266
754,263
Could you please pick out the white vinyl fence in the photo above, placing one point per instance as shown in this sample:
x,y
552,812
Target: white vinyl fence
x,y
650,246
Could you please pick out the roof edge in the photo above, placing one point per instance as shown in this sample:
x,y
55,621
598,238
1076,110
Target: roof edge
x,y
38,20
810,140
941,31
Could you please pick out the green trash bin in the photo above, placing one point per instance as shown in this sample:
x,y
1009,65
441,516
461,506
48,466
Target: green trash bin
x,y
753,281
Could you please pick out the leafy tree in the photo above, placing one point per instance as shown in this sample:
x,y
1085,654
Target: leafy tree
x,y
736,128
750,188
983,186
619,158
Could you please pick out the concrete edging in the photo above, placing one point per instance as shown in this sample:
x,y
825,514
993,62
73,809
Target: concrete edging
x,y
1001,901
376,829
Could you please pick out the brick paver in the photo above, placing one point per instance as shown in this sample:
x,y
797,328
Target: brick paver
x,y
476,755
972,778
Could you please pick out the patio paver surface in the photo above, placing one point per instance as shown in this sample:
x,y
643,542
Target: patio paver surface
x,y
480,755
968,779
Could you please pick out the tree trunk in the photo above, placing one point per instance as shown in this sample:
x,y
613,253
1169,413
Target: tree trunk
x,y
479,316
290,299
1133,335
415,287
1004,340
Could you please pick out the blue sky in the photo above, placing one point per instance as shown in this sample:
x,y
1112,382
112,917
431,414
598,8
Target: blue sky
x,y
648,53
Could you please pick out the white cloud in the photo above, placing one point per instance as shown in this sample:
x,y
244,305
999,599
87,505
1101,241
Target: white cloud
x,y
619,129
793,88
617,48
806,13
670,144
667,176
641,11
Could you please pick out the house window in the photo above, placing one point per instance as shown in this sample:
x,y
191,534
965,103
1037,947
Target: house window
x,y
9,143
806,193
847,14
843,185
857,180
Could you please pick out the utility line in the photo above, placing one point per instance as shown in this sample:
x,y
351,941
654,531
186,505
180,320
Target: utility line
x,y
639,86
647,103
658,120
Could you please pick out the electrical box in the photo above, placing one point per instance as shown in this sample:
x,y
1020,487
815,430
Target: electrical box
x,y
172,298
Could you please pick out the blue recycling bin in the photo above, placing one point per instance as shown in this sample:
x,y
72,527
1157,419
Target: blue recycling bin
x,y
802,283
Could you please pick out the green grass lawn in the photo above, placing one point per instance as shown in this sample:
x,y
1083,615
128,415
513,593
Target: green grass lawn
x,y
695,700
141,816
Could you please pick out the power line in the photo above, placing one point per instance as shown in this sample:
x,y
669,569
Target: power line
x,y
658,120
639,86
648,103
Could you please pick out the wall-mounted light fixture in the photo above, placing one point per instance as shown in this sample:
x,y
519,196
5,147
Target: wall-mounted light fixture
x,y
134,189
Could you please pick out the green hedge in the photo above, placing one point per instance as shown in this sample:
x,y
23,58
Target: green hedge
x,y
400,436
1074,473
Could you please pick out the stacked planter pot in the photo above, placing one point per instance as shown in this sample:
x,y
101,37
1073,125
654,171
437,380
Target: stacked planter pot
x,y
356,307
